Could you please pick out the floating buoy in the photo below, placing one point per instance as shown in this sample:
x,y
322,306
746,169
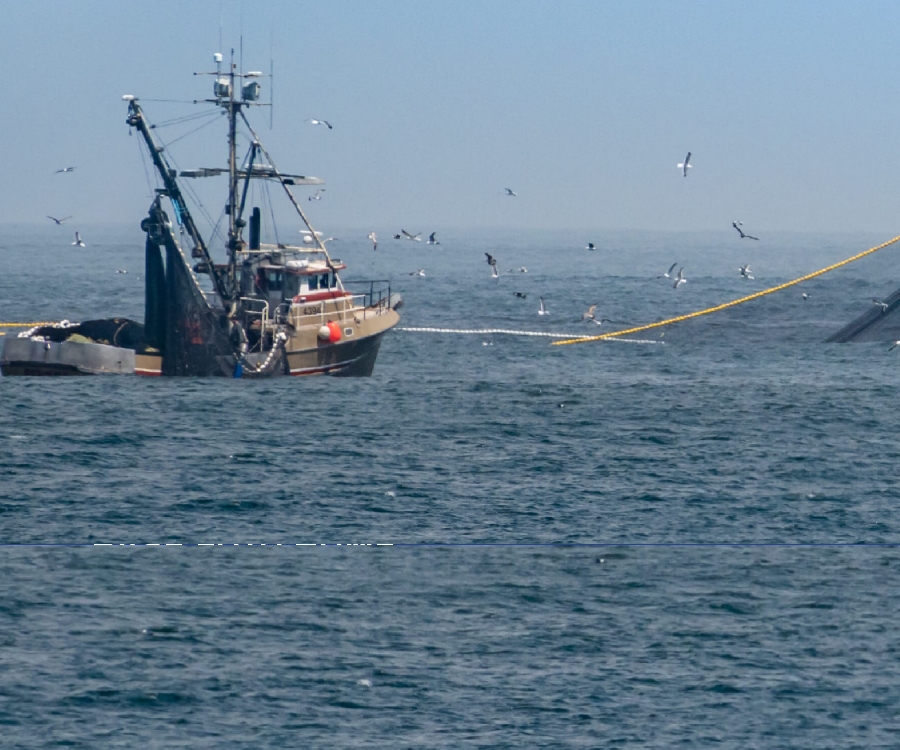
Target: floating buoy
x,y
334,332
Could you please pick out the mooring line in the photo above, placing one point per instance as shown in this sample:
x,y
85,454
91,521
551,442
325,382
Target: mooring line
x,y
726,305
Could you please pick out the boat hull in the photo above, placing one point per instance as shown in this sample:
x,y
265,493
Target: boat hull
x,y
347,359
26,356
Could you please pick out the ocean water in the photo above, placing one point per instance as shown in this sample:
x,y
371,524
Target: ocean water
x,y
686,539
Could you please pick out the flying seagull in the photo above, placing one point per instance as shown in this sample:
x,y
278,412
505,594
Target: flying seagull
x,y
59,221
492,261
880,303
745,271
318,195
374,238
414,237
542,310
494,272
805,295
894,346
78,240
737,225
432,240
313,121
679,279
417,272
686,165
511,192
65,169
590,315
668,274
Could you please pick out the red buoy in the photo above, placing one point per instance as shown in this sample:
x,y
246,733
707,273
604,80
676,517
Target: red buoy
x,y
334,332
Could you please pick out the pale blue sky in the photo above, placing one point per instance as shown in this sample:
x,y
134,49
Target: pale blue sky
x,y
584,108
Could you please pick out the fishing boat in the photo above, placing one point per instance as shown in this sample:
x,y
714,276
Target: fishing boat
x,y
269,309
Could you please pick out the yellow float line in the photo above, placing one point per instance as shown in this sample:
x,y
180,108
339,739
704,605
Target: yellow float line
x,y
733,303
27,325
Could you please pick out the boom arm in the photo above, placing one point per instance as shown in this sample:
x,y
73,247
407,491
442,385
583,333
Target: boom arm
x,y
167,174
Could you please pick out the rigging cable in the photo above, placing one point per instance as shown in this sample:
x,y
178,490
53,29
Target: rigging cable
x,y
268,199
191,132
733,303
182,119
189,189
146,172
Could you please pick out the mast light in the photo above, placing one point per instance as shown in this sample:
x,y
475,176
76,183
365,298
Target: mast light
x,y
250,91
222,87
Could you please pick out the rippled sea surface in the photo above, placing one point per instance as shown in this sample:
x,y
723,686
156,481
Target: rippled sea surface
x,y
683,540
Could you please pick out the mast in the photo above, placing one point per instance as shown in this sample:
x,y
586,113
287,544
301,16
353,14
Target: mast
x,y
234,221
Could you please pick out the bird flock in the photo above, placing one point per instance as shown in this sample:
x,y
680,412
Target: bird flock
x,y
59,222
675,273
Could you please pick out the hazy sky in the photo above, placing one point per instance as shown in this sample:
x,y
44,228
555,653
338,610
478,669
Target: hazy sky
x,y
791,110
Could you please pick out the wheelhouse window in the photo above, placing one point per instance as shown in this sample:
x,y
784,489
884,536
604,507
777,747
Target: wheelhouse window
x,y
319,281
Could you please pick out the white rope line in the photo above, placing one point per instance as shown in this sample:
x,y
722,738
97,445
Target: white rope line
x,y
509,332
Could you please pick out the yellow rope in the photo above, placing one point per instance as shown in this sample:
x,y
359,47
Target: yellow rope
x,y
733,303
27,325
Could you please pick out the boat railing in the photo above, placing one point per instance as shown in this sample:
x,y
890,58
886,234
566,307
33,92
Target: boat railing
x,y
255,308
374,295
372,300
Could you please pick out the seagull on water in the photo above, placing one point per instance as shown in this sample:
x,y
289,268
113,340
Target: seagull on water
x,y
510,192
590,246
686,165
78,240
59,221
413,237
417,272
432,240
542,310
65,169
805,295
745,271
374,238
121,270
679,279
398,237
313,121
668,274
520,295
318,195
744,236
880,303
